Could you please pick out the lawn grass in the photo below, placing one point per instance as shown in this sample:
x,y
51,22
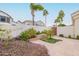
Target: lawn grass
x,y
52,40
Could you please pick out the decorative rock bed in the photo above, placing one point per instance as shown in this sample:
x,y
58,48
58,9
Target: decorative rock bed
x,y
22,48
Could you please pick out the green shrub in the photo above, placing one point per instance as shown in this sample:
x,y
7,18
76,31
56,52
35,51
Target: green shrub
x,y
77,37
38,32
24,36
61,35
44,32
49,32
69,36
30,33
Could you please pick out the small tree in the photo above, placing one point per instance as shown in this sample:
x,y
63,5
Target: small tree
x,y
49,32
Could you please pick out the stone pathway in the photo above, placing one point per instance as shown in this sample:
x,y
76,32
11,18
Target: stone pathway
x,y
67,47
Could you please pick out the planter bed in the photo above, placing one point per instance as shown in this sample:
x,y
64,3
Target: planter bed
x,y
22,48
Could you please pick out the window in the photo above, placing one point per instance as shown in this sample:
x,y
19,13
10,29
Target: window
x,y
2,19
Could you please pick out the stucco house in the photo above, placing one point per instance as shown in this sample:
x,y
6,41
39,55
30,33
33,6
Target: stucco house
x,y
19,22
5,18
72,30
37,23
28,22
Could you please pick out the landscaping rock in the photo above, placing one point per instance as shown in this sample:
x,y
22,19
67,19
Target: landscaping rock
x,y
42,36
22,48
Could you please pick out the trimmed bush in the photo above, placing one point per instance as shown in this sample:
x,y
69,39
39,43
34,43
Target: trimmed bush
x,y
30,33
61,35
77,37
24,36
69,36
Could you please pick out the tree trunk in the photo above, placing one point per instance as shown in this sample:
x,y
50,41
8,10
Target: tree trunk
x,y
32,12
33,19
45,20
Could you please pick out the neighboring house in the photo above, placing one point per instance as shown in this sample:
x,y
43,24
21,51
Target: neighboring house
x,y
28,22
5,18
72,30
19,22
37,23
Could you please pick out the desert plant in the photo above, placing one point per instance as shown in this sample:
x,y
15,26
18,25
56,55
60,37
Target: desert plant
x,y
61,35
5,34
7,37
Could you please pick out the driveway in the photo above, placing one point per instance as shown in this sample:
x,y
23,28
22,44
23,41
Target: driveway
x,y
67,47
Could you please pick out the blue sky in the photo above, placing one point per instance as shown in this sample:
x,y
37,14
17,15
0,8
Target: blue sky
x,y
21,11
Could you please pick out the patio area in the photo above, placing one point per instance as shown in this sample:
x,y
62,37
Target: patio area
x,y
67,47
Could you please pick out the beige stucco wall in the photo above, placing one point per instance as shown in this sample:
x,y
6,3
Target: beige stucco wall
x,y
76,27
66,31
70,30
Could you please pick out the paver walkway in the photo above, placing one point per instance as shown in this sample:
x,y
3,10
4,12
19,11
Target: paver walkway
x,y
67,47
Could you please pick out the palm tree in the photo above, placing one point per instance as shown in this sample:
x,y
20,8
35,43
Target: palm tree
x,y
35,7
45,13
59,19
61,15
